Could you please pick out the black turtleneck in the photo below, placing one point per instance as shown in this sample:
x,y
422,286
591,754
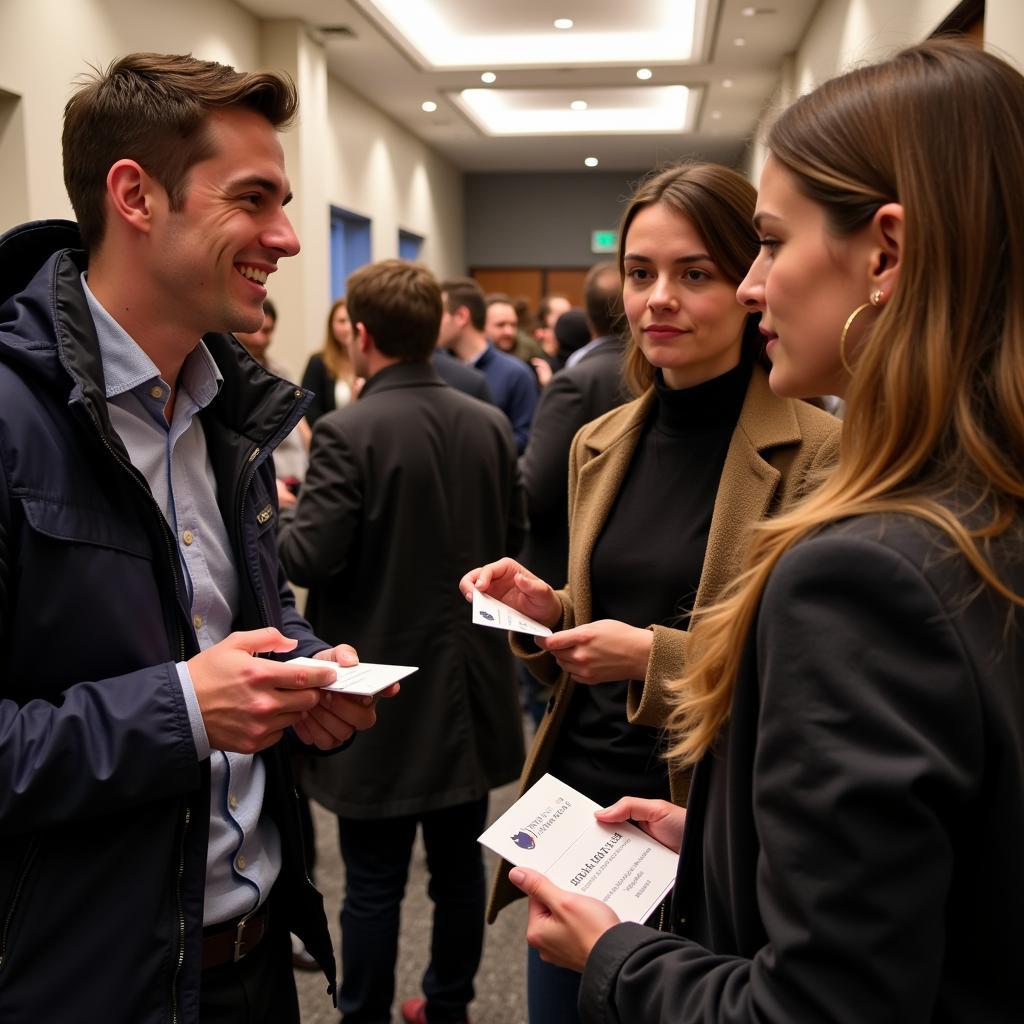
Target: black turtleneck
x,y
645,569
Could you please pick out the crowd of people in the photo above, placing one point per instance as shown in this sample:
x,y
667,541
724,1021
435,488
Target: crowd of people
x,y
788,646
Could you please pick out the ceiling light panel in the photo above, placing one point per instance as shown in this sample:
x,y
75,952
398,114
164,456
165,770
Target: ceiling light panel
x,y
449,34
639,110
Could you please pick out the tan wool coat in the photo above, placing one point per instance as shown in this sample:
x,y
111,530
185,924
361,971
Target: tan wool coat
x,y
779,448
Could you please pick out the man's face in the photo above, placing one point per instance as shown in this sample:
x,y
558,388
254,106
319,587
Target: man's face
x,y
259,340
450,329
502,325
210,260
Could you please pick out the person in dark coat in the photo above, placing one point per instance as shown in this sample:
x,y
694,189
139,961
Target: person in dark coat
x,y
406,488
151,865
853,842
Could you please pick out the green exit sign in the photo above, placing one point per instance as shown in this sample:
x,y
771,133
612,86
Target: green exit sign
x,y
604,241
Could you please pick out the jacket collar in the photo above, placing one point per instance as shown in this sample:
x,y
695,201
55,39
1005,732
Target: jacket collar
x,y
403,375
764,420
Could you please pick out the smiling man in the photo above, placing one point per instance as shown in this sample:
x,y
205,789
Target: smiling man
x,y
150,862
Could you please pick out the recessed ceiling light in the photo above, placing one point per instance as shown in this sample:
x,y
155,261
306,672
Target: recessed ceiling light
x,y
428,106
488,77
578,105
563,22
644,73
726,83
739,41
749,12
716,115
591,161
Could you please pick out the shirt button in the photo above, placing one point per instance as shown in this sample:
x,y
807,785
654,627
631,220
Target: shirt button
x,y
187,536
240,863
156,391
233,802
197,621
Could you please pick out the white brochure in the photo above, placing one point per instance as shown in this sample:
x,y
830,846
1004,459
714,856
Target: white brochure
x,y
552,829
488,611
364,679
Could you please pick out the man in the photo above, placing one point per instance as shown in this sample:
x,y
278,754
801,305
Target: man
x,y
291,456
550,309
589,386
463,332
150,864
406,488
501,325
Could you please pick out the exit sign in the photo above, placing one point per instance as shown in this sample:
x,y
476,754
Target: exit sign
x,y
604,241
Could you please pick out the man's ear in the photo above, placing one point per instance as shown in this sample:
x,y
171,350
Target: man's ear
x,y
132,194
364,339
887,234
461,316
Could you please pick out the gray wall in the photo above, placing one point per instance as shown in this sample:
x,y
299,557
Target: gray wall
x,y
541,220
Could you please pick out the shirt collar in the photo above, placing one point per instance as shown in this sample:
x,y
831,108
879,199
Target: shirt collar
x,y
126,367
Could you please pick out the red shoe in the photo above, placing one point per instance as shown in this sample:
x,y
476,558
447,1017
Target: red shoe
x,y
414,1011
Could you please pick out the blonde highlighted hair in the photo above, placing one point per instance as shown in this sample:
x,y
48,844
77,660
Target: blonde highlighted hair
x,y
935,407
336,356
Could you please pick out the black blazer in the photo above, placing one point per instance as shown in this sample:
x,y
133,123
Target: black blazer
x,y
575,396
407,489
854,845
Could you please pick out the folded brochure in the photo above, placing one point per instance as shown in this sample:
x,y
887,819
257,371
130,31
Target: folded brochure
x,y
552,829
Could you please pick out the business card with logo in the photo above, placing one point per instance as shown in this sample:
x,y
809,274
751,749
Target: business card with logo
x,y
364,679
552,829
487,611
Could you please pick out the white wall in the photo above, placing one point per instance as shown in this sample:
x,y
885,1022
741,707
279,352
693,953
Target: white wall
x,y
843,34
1004,30
379,170
343,150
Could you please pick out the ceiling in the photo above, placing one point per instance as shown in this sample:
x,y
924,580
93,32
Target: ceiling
x,y
399,54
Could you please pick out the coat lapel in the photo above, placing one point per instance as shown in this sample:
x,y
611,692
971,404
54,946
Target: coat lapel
x,y
748,485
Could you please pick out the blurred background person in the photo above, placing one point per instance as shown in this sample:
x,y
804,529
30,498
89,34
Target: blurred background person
x,y
291,457
407,487
329,373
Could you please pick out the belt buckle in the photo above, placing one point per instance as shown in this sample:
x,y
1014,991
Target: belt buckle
x,y
240,936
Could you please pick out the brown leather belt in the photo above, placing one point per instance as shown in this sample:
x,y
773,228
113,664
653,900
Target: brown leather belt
x,y
230,941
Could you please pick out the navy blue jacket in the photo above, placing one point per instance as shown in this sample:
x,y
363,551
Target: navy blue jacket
x,y
514,387
104,807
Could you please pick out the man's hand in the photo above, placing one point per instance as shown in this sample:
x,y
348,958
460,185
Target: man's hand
x,y
562,926
601,652
661,820
339,715
512,584
248,702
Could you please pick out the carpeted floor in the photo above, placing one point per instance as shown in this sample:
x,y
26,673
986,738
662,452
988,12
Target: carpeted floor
x,y
501,981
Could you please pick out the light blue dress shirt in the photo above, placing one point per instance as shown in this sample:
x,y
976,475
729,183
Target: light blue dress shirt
x,y
244,854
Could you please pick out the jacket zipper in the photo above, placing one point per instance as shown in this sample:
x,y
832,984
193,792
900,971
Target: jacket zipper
x,y
181,915
261,598
30,857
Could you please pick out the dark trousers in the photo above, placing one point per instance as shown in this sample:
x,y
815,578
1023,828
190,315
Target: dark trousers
x,y
258,989
552,993
376,855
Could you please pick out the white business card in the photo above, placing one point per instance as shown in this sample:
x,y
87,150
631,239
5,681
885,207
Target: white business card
x,y
487,611
364,679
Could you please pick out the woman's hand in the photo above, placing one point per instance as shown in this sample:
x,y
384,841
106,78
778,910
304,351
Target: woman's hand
x,y
562,926
512,584
661,820
601,652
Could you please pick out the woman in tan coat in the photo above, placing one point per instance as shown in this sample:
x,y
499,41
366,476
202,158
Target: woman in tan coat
x,y
662,492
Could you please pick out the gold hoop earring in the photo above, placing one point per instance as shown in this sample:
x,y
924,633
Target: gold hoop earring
x,y
846,330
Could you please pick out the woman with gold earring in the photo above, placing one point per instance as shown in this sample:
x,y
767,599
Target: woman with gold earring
x,y
851,850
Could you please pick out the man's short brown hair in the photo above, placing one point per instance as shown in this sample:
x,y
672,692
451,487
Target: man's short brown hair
x,y
399,303
153,108
464,291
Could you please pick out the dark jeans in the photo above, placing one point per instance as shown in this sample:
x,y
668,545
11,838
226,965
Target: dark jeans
x,y
258,989
376,855
551,992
